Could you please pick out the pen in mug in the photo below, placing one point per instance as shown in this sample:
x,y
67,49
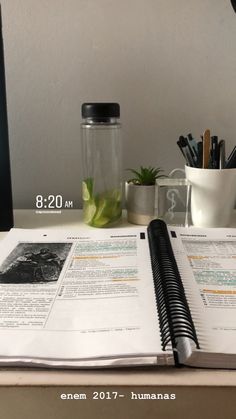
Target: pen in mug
x,y
189,152
193,144
214,152
182,143
199,152
221,152
231,161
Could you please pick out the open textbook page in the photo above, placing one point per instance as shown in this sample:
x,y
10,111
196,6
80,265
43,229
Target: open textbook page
x,y
84,298
206,259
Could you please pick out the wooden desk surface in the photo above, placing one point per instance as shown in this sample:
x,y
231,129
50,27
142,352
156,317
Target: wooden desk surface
x,y
36,393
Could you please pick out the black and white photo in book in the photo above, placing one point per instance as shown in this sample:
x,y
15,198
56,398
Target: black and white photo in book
x,y
34,263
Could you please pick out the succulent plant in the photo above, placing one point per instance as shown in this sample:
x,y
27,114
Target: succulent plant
x,y
146,175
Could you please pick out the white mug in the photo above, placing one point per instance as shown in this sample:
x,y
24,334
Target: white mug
x,y
213,196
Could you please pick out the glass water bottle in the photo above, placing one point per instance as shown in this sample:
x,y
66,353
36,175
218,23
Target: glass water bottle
x,y
102,164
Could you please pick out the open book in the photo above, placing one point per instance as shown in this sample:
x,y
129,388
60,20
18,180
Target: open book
x,y
118,297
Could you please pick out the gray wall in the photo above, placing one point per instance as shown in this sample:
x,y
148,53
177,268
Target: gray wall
x,y
170,64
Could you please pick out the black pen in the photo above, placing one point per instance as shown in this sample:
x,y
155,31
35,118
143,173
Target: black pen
x,y
179,143
193,146
200,152
188,151
183,145
231,161
214,152
221,152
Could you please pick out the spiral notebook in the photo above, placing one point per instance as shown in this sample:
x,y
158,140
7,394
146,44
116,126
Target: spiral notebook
x,y
194,273
118,297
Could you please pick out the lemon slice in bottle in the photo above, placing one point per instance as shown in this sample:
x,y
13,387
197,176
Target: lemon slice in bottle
x,y
101,218
87,189
89,211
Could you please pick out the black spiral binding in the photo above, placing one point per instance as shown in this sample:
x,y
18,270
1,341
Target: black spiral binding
x,y
6,211
174,314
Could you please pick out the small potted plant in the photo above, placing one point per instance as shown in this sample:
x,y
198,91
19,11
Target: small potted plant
x,y
140,194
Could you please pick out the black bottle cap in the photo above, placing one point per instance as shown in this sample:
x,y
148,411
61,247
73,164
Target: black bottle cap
x,y
100,110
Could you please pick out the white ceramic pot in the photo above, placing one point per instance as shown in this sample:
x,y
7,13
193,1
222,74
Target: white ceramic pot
x,y
140,203
212,197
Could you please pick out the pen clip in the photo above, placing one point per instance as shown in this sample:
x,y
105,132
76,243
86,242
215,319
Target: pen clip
x,y
214,153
